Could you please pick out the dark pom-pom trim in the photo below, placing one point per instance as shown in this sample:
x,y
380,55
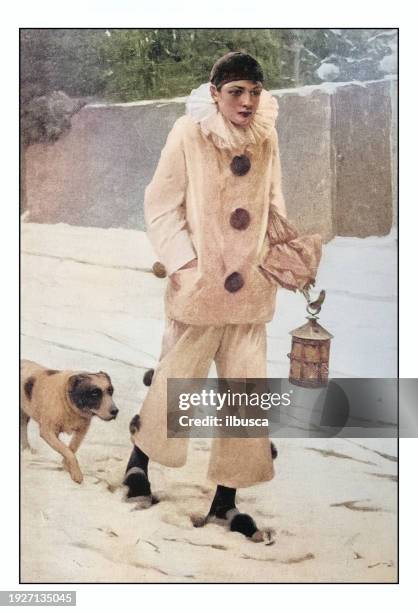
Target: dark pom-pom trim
x,y
135,424
234,282
240,219
240,165
147,379
137,483
159,270
243,523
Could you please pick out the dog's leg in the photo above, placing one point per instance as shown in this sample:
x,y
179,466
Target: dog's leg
x,y
74,445
77,438
24,420
52,439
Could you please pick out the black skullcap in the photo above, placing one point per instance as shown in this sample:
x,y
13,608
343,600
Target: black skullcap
x,y
235,66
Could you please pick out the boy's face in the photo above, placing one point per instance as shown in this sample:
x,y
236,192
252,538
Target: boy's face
x,y
238,100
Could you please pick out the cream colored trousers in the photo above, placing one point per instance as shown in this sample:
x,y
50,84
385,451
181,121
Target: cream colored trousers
x,y
239,351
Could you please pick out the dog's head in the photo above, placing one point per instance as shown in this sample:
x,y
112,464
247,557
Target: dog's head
x,y
92,395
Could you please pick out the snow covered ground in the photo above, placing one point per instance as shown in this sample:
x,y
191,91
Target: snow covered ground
x,y
90,302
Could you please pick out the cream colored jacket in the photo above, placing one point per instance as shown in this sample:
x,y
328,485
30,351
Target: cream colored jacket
x,y
194,208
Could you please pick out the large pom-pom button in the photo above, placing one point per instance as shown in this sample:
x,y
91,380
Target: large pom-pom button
x,y
159,270
234,282
240,165
240,219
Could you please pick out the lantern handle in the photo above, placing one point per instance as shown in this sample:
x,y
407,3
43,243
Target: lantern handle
x,y
314,307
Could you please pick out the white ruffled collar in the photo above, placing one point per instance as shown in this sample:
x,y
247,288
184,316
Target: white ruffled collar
x,y
225,135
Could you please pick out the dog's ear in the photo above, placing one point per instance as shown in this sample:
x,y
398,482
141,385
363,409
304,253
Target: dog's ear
x,y
104,374
77,389
75,380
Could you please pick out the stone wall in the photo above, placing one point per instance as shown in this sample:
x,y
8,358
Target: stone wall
x,y
361,146
394,147
338,151
305,145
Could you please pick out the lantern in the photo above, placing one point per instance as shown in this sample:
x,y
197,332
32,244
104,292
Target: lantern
x,y
309,356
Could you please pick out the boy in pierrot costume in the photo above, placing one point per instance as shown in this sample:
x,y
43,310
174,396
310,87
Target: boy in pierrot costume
x,y
216,217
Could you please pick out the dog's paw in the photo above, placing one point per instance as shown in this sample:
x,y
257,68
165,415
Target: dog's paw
x,y
75,472
77,476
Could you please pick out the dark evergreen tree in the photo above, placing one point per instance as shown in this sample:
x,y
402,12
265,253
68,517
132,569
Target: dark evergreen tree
x,y
125,65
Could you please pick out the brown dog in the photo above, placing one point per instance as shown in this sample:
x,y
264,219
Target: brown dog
x,y
63,401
